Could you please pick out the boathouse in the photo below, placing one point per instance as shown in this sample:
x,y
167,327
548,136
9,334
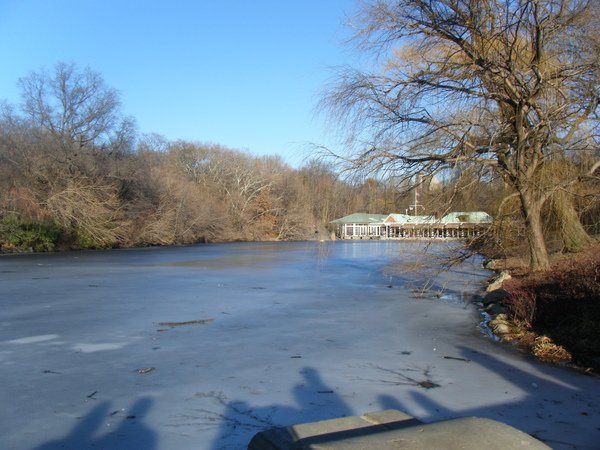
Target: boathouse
x,y
360,226
455,225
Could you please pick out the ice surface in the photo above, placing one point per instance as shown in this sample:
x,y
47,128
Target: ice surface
x,y
299,332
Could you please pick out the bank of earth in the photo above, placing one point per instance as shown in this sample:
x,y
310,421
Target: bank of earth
x,y
554,315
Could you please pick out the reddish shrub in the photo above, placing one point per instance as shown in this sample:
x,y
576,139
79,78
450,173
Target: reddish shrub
x,y
521,305
563,304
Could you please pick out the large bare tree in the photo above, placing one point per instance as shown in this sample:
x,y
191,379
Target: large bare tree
x,y
507,84
77,109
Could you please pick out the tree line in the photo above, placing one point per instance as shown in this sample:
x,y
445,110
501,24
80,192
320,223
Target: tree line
x,y
74,173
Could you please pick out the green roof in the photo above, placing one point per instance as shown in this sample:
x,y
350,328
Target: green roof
x,y
361,218
405,218
467,217
453,217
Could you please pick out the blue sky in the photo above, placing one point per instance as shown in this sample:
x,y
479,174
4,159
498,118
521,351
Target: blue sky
x,y
242,73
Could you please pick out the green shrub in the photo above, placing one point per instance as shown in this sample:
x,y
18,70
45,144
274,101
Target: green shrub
x,y
29,236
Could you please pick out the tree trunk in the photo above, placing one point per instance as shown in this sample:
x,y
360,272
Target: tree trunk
x,y
572,233
538,253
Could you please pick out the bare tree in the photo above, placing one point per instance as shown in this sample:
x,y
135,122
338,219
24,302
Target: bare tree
x,y
507,84
77,109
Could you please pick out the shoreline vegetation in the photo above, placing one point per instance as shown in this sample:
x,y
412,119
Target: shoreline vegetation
x,y
553,315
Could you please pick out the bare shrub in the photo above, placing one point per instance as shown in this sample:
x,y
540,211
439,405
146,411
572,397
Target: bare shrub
x,y
90,210
521,306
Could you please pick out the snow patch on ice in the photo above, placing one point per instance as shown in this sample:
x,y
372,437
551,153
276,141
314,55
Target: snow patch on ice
x,y
34,339
91,348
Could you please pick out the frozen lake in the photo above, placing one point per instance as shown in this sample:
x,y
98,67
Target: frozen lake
x,y
95,351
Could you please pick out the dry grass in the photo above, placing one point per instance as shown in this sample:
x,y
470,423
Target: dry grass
x,y
546,350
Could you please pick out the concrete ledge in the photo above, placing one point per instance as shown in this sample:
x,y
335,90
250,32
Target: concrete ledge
x,y
391,429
